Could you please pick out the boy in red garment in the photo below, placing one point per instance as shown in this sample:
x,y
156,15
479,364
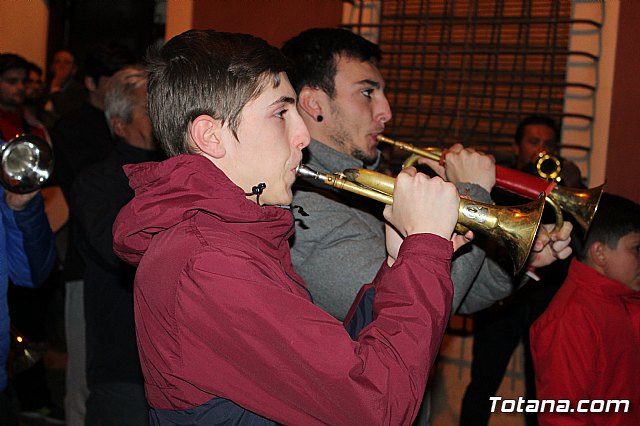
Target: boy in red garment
x,y
586,346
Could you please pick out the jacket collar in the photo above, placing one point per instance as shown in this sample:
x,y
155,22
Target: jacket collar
x,y
593,281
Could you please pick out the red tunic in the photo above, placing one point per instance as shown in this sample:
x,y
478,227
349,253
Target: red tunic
x,y
586,346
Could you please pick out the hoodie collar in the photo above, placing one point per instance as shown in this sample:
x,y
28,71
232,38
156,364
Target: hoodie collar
x,y
327,160
176,189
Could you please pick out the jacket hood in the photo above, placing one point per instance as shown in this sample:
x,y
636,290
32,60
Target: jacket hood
x,y
176,189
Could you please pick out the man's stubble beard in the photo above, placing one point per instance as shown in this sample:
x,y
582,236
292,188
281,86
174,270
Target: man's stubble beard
x,y
342,138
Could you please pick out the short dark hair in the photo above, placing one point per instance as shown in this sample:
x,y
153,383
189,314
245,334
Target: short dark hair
x,y
616,217
206,72
10,61
105,58
315,53
536,119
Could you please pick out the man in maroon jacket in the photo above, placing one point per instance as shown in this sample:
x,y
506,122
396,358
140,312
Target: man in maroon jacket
x,y
227,331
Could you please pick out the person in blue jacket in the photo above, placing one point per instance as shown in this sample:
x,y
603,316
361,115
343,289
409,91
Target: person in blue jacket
x,y
27,254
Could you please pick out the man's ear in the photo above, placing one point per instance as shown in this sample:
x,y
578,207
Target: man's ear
x,y
90,84
117,126
206,133
310,102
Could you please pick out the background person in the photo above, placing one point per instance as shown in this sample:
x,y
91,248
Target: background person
x,y
82,138
116,392
28,307
65,92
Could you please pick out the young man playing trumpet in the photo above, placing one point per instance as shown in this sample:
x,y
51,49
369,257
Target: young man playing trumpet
x,y
341,99
226,329
341,240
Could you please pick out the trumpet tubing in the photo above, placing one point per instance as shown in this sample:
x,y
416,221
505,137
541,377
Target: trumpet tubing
x,y
514,228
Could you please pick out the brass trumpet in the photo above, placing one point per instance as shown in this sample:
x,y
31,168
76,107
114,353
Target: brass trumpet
x,y
514,228
580,203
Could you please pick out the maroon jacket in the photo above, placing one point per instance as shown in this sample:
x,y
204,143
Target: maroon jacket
x,y
221,313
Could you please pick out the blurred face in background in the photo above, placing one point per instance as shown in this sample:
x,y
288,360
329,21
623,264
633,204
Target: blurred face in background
x,y
63,66
536,138
137,132
12,88
34,88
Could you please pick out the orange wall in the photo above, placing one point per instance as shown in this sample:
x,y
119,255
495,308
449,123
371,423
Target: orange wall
x,y
275,20
623,156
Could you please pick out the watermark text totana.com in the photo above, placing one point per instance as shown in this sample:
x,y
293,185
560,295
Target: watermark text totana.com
x,y
522,405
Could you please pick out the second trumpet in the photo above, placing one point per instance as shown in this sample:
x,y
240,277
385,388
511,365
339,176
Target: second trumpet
x,y
514,228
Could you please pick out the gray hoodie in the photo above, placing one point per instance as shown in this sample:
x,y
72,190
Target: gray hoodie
x,y
340,245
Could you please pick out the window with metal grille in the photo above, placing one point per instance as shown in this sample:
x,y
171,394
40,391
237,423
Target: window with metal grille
x,y
468,70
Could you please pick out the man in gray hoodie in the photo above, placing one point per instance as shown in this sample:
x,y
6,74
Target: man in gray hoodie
x,y
341,240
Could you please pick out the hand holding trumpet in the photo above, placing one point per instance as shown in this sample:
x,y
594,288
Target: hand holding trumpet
x,y
420,205
465,165
17,202
551,245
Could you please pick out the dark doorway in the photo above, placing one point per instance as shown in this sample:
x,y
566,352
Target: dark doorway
x,y
77,24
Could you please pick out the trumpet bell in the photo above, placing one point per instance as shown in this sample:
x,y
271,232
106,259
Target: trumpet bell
x,y
516,229
26,163
580,203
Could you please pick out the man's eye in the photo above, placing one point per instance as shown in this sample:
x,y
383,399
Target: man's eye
x,y
367,93
281,113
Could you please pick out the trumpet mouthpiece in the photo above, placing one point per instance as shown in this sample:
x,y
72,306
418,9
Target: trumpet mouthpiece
x,y
305,171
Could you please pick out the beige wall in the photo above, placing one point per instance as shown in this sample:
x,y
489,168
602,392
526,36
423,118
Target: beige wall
x,y
23,29
623,159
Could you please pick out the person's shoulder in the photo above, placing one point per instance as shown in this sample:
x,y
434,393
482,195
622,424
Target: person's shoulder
x,y
318,199
79,117
568,305
103,173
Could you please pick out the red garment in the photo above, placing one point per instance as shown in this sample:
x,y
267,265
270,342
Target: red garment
x,y
15,123
220,311
586,346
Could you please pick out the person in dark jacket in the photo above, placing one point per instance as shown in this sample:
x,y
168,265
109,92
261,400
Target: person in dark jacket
x,y
82,138
227,330
114,377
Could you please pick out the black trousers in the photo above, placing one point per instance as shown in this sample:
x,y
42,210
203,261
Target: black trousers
x,y
497,333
